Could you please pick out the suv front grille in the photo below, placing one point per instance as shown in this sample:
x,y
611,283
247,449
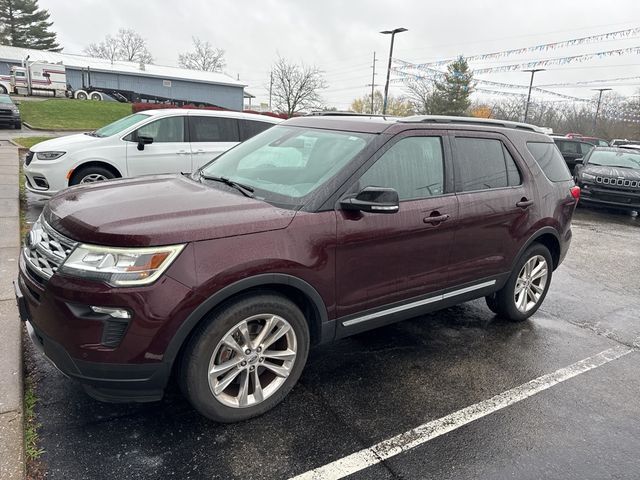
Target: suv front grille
x,y
46,249
28,158
618,182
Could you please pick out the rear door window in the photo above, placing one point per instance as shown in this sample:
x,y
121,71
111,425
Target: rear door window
x,y
249,128
550,161
483,163
213,129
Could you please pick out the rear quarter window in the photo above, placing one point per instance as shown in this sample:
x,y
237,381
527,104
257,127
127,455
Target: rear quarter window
x,y
550,161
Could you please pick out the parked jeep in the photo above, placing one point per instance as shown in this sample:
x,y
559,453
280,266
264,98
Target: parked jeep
x,y
313,230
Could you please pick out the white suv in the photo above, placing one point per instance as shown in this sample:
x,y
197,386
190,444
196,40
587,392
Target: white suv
x,y
150,142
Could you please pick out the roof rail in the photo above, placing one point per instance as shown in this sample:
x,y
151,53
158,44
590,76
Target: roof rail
x,y
471,121
336,113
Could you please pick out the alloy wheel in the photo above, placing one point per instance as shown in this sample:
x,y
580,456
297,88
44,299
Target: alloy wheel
x,y
531,283
93,177
252,361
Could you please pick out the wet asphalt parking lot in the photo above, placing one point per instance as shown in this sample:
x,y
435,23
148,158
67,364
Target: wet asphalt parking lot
x,y
578,418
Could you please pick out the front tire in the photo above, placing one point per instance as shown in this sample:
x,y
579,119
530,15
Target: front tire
x,y
527,286
17,125
245,358
91,175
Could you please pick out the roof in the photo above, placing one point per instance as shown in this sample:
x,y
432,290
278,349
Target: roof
x,y
17,55
378,124
355,123
210,113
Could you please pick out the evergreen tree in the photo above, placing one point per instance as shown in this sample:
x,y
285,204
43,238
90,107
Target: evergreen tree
x,y
451,96
23,24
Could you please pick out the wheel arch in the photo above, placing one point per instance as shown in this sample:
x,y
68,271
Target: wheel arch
x,y
547,236
295,289
95,163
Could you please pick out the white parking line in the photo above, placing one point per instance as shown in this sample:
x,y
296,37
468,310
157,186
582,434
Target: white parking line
x,y
405,441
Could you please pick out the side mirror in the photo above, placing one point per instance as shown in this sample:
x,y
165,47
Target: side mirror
x,y
142,141
373,200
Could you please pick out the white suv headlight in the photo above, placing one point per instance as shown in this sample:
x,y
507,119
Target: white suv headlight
x,y
49,155
120,267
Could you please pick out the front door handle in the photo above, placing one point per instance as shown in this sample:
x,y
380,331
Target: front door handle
x,y
435,219
524,203
182,152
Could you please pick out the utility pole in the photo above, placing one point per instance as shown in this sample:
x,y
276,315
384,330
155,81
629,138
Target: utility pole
x,y
270,89
533,72
386,85
595,117
373,80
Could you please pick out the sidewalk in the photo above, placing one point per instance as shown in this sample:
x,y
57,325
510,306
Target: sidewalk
x,y
11,421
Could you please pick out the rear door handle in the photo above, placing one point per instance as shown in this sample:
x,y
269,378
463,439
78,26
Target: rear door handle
x,y
200,150
435,219
524,203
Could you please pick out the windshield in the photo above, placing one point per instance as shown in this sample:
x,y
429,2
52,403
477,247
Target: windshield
x,y
5,99
120,125
285,164
615,158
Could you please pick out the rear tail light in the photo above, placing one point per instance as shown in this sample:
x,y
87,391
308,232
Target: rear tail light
x,y
575,192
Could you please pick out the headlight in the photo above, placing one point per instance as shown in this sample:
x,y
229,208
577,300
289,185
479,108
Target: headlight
x,y
587,176
49,155
120,267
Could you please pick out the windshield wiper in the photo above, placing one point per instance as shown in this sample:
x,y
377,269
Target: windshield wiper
x,y
246,190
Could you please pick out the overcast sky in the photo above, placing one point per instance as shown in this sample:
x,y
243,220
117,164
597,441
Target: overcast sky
x,y
341,36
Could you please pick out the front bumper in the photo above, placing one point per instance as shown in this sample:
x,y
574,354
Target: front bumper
x,y
611,197
134,370
9,120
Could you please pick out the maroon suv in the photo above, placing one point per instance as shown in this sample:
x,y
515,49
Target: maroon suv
x,y
316,229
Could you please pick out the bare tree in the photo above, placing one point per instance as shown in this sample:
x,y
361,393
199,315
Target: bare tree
x,y
126,45
396,106
420,95
203,57
296,87
133,46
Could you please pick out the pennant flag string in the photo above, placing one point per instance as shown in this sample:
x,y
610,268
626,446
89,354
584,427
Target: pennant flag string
x,y
617,35
533,64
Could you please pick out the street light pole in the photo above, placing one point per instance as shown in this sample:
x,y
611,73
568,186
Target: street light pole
x,y
533,72
386,85
595,117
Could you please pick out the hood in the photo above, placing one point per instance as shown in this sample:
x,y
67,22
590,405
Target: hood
x,y
65,143
614,172
159,210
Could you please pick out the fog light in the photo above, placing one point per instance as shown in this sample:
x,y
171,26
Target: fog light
x,y
113,312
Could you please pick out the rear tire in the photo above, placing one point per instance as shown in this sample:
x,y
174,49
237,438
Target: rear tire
x,y
531,277
96,96
91,175
17,126
249,387
81,95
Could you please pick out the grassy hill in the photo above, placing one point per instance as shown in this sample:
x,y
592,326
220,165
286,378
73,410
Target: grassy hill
x,y
66,114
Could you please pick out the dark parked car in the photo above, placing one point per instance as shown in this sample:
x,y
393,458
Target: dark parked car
x,y
9,112
573,151
316,229
611,177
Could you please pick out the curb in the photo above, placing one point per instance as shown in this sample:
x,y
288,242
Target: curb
x,y
41,129
12,455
